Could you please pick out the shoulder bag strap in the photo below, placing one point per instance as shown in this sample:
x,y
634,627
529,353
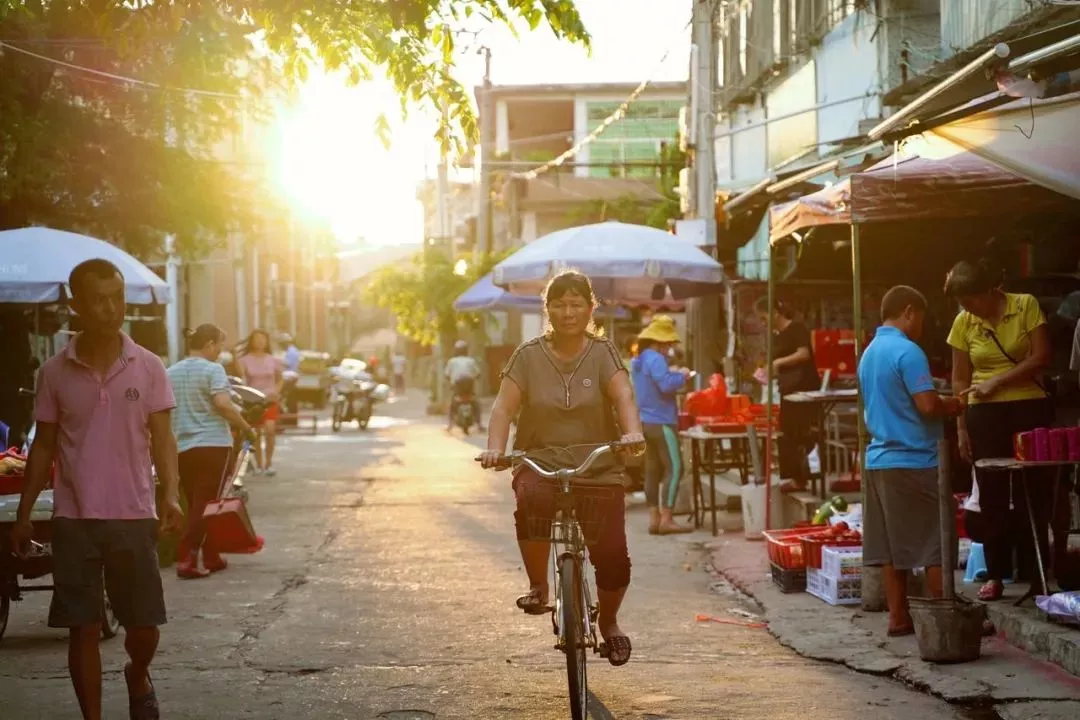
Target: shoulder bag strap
x,y
1011,359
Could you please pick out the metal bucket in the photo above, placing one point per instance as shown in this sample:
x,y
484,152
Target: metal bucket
x,y
948,631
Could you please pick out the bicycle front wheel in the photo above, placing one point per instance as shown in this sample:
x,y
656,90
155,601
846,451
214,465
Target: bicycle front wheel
x,y
572,619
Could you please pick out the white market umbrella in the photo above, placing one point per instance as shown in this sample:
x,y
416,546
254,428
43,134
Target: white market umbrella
x,y
35,263
628,264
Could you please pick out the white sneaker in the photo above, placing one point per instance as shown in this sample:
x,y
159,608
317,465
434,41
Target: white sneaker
x,y
269,472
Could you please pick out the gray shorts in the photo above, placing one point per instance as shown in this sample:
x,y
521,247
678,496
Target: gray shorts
x,y
124,554
901,520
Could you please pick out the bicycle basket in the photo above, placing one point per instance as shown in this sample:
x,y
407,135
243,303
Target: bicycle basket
x,y
592,505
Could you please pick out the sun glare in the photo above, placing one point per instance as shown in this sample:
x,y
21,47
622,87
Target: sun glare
x,y
334,169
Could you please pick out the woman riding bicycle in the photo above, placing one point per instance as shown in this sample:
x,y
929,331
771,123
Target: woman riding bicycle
x,y
568,385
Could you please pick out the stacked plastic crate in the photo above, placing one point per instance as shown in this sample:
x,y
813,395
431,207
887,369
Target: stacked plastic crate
x,y
839,579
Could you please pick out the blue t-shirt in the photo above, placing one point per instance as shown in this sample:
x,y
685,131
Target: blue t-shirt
x,y
655,387
891,371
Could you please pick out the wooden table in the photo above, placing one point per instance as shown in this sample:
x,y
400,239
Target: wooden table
x,y
739,460
1011,465
825,401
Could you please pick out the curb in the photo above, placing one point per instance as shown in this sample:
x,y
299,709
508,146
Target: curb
x,y
843,636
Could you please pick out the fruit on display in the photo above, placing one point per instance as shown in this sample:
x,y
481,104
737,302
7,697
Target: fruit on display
x,y
836,505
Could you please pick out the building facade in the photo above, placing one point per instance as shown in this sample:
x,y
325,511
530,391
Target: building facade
x,y
803,81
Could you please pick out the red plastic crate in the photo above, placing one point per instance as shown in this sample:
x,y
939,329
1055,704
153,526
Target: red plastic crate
x,y
11,484
785,546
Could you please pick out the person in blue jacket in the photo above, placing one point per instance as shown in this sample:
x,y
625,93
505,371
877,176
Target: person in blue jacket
x,y
655,386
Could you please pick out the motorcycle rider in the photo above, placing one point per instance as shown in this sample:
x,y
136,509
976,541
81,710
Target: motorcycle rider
x,y
462,371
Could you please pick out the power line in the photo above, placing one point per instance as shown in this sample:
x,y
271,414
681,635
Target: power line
x,y
121,78
610,120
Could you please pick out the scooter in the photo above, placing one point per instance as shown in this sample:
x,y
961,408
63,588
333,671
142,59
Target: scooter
x,y
351,399
461,401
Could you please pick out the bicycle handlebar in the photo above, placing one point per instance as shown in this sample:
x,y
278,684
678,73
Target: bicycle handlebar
x,y
522,457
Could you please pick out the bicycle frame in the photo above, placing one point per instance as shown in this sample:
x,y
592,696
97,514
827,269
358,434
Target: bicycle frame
x,y
566,532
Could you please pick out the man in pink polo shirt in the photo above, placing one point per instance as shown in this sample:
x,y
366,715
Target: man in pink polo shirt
x,y
103,408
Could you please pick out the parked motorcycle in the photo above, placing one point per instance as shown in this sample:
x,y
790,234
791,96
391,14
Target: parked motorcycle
x,y
252,404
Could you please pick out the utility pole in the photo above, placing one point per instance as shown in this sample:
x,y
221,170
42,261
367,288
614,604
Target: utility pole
x,y
172,310
236,250
442,205
484,225
705,316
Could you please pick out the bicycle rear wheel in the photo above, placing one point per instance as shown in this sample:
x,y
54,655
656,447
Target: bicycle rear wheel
x,y
572,619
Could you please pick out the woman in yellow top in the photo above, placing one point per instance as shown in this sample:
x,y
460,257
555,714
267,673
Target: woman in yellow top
x,y
1000,346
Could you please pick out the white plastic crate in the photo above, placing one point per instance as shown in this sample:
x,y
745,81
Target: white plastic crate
x,y
43,507
841,563
832,591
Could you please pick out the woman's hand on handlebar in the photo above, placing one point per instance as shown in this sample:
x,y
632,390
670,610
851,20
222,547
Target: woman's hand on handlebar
x,y
633,444
493,459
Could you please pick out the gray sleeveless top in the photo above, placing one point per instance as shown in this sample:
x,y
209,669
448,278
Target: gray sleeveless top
x,y
565,404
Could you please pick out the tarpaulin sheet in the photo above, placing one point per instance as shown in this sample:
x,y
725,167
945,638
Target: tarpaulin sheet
x,y
1034,139
916,188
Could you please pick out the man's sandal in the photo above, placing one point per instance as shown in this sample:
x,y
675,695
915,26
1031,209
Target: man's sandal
x,y
144,707
532,603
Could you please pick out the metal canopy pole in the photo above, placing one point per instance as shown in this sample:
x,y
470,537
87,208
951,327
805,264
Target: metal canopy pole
x,y
768,388
872,589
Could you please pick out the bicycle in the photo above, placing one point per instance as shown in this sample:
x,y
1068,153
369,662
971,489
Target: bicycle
x,y
572,527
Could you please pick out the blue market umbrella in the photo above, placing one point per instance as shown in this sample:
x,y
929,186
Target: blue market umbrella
x,y
628,264
484,295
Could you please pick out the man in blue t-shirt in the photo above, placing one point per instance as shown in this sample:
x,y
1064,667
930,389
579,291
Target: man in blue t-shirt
x,y
903,414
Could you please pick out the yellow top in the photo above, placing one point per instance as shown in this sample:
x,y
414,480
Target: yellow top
x,y
971,334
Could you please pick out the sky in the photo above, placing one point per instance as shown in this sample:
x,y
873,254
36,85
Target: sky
x,y
335,169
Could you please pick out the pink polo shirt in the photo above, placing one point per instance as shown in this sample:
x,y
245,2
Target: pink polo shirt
x,y
103,466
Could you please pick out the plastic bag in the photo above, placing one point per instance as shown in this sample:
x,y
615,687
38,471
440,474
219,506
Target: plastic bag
x,y
813,459
1063,606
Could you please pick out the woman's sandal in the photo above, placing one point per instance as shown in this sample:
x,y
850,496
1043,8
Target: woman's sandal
x,y
991,591
617,649
532,603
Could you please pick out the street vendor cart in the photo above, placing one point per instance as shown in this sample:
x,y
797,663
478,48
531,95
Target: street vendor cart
x,y
38,563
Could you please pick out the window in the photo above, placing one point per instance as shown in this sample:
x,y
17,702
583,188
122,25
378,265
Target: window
x,y
635,138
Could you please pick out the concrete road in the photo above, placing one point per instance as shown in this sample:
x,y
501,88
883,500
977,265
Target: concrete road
x,y
386,591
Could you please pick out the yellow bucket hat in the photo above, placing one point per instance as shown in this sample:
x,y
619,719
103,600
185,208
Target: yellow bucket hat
x,y
661,329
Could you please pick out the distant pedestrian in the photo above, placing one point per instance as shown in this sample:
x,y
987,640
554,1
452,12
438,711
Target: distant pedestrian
x,y
795,371
292,354
655,388
103,410
204,411
903,414
399,363
262,371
